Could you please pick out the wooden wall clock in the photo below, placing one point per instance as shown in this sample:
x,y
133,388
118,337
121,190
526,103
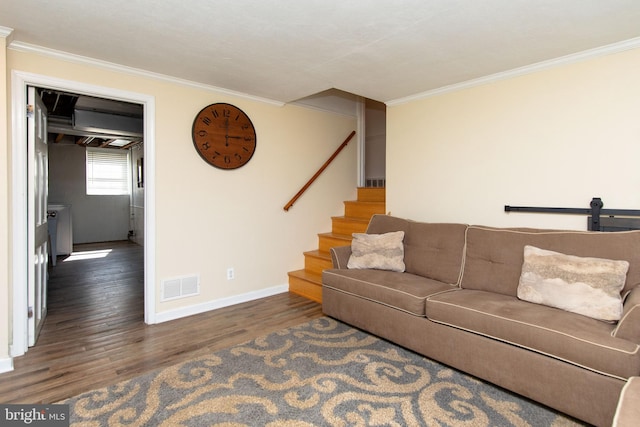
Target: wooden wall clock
x,y
224,136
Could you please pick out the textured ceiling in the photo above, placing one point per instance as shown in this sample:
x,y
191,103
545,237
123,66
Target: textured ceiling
x,y
285,50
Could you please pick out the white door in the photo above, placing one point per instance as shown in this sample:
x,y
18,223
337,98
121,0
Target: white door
x,y
38,189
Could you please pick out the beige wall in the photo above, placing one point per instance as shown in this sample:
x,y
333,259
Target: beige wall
x,y
208,219
553,138
4,206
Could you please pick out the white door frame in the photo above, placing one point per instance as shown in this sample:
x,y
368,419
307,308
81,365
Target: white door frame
x,y
18,243
361,115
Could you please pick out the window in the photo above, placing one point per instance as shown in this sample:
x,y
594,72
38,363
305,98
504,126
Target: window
x,y
108,172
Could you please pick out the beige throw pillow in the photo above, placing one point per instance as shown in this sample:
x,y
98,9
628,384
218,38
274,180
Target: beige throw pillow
x,y
378,251
587,286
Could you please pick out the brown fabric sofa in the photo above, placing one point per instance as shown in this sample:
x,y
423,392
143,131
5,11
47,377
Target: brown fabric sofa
x,y
628,410
456,303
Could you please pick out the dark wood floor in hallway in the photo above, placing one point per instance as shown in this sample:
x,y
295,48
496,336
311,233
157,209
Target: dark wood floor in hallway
x,y
95,334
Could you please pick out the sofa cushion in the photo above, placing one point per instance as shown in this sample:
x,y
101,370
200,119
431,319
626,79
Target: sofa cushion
x,y
379,251
494,256
432,250
583,285
566,336
404,291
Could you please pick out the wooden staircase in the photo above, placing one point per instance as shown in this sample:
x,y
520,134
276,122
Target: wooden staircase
x,y
357,213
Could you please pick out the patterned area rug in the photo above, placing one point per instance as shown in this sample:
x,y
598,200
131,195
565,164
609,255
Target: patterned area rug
x,y
321,373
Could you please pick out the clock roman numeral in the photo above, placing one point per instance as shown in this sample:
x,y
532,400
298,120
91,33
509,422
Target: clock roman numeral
x,y
215,114
206,121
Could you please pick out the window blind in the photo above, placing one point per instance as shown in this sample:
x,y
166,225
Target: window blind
x,y
108,172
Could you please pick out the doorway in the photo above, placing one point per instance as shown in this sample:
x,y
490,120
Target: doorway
x,y
375,143
94,144
20,197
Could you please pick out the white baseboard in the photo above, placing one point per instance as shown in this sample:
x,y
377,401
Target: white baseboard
x,y
6,365
165,316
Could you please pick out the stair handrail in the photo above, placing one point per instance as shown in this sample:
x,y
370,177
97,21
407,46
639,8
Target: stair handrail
x,y
317,174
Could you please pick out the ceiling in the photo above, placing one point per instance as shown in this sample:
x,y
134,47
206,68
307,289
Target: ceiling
x,y
92,122
284,50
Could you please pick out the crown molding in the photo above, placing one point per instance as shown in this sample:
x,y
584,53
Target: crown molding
x,y
529,69
6,33
78,59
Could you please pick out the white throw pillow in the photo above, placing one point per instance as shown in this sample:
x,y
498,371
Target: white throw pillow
x,y
377,251
587,286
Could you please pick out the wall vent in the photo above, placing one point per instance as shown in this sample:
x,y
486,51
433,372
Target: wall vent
x,y
180,287
375,182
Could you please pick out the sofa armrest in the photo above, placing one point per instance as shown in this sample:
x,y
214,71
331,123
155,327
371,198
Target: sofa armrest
x,y
340,256
629,325
628,410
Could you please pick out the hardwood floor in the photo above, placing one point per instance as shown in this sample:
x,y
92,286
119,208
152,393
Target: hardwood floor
x,y
95,335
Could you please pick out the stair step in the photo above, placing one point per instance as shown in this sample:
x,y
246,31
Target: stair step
x,y
316,261
331,240
348,226
364,210
357,214
372,194
306,284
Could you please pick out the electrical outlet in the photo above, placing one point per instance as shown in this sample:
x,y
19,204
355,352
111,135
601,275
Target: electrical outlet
x,y
231,274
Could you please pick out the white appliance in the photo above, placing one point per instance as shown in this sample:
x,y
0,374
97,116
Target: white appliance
x,y
60,230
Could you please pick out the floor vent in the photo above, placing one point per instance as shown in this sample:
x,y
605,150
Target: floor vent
x,y
180,287
375,182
